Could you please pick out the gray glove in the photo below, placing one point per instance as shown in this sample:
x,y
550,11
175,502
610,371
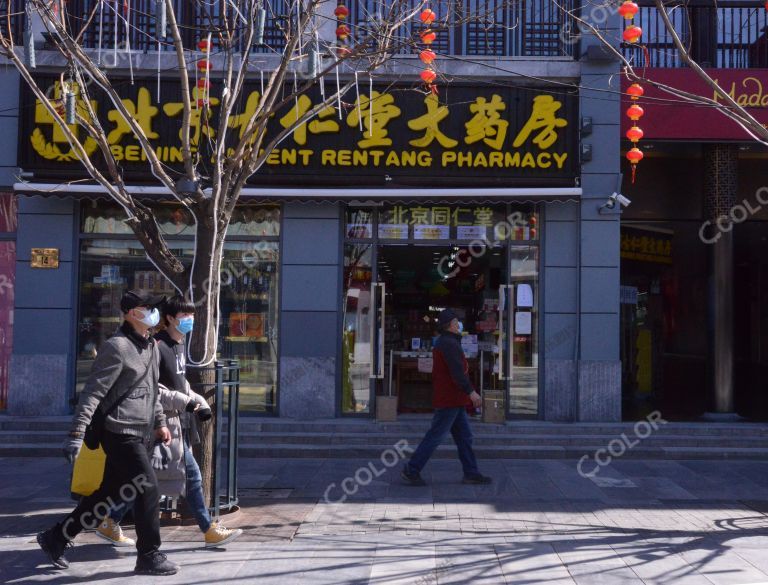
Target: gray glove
x,y
161,455
71,448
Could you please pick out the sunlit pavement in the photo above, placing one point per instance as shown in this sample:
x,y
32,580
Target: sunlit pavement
x,y
694,522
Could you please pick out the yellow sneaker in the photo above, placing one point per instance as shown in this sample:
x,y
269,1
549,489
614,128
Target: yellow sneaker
x,y
217,535
110,531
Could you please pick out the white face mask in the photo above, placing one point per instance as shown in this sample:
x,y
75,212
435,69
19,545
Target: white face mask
x,y
151,317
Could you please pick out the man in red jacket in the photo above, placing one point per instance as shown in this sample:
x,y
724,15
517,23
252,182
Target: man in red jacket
x,y
452,392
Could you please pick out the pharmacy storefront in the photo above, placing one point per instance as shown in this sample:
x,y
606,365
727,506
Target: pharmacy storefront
x,y
363,224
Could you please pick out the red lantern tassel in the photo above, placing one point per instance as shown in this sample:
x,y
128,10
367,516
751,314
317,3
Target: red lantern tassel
x,y
634,169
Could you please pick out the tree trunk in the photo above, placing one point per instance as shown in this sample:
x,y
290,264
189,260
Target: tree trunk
x,y
203,344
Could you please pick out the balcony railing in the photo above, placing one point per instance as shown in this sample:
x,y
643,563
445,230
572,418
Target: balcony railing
x,y
493,28
729,35
12,16
485,28
111,25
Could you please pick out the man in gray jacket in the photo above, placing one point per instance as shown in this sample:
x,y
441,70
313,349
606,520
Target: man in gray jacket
x,y
126,366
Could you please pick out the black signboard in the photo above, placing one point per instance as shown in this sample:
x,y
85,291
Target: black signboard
x,y
403,136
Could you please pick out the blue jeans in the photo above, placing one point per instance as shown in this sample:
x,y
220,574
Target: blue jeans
x,y
445,420
193,497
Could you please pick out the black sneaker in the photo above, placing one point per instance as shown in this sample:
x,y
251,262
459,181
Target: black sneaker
x,y
54,545
478,479
412,478
155,563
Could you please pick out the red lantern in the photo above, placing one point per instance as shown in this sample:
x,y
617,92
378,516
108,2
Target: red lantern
x,y
635,155
428,37
343,52
203,83
635,91
427,16
628,10
532,233
203,65
427,56
635,112
341,12
632,33
428,76
342,32
634,134
204,46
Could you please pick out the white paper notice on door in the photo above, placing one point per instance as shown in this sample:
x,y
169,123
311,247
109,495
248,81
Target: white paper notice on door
x,y
524,295
425,365
523,323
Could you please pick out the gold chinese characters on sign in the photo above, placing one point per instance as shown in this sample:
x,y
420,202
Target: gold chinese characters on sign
x,y
507,130
646,247
44,258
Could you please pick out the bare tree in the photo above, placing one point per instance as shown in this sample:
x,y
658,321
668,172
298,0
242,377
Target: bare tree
x,y
210,191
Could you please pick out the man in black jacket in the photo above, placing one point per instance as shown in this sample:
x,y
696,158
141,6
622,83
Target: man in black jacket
x,y
123,383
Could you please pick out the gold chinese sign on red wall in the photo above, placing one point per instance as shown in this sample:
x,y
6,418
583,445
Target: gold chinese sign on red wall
x,y
497,135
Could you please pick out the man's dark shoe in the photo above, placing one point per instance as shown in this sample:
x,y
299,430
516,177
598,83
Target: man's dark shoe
x,y
155,563
478,479
412,478
54,544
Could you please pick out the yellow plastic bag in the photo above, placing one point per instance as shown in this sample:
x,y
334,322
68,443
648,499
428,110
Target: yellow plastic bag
x,y
88,471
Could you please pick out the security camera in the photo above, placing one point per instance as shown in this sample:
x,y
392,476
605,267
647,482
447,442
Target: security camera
x,y
613,199
623,201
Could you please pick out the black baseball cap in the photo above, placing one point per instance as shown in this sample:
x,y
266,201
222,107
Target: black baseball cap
x,y
446,316
139,298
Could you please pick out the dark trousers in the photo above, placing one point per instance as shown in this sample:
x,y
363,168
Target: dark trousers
x,y
445,420
128,476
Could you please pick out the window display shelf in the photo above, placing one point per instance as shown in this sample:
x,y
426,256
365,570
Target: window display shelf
x,y
256,297
243,339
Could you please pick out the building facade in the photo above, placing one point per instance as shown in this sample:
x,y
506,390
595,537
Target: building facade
x,y
694,317
347,244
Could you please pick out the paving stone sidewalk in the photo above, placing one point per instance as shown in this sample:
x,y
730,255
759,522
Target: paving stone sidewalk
x,y
666,522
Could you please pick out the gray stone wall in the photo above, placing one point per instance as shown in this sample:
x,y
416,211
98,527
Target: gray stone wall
x,y
43,335
309,328
9,123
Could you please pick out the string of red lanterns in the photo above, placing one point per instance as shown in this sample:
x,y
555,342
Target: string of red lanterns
x,y
342,29
632,34
427,55
204,67
634,134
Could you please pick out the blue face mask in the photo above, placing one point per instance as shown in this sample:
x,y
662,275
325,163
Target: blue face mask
x,y
151,317
461,327
185,325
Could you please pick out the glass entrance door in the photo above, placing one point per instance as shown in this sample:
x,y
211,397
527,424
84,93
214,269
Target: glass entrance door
x,y
399,273
522,323
360,339
421,280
